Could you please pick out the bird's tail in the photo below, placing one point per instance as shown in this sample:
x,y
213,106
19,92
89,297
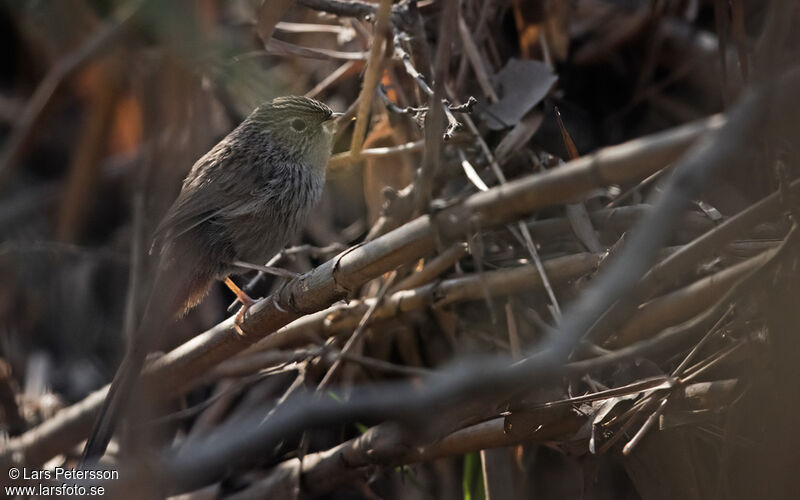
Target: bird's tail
x,y
168,297
113,406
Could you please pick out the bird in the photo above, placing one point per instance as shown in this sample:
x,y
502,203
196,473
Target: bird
x,y
238,206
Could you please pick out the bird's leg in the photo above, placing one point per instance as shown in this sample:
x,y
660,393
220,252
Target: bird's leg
x,y
244,299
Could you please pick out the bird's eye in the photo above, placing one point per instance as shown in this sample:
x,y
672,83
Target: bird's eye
x,y
298,125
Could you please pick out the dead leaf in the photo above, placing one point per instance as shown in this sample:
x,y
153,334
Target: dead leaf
x,y
518,136
521,86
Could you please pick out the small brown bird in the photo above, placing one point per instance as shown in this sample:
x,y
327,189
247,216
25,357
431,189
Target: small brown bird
x,y
240,204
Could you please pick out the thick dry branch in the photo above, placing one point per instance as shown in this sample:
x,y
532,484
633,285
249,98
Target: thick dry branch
x,y
656,315
473,287
382,445
682,304
318,289
614,222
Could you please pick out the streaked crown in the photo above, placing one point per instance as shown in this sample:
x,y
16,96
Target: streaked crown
x,y
293,106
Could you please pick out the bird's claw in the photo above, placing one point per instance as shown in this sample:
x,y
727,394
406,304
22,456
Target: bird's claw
x,y
246,301
237,323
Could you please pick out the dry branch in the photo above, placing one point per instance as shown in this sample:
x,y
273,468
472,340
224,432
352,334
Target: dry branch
x,y
682,304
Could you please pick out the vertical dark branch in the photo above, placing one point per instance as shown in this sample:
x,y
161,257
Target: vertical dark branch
x,y
434,120
411,30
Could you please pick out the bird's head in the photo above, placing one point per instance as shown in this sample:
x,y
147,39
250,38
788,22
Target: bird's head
x,y
301,124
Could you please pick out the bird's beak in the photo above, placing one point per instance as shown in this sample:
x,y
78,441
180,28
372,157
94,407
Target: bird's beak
x,y
330,123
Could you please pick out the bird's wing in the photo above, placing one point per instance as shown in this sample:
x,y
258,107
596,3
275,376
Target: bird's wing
x,y
188,211
195,208
205,194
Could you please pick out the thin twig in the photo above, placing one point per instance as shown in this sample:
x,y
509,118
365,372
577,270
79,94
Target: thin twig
x,y
478,66
452,123
467,107
346,158
343,71
679,369
357,334
651,420
277,47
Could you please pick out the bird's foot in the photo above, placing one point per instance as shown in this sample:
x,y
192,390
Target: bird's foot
x,y
237,323
246,301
